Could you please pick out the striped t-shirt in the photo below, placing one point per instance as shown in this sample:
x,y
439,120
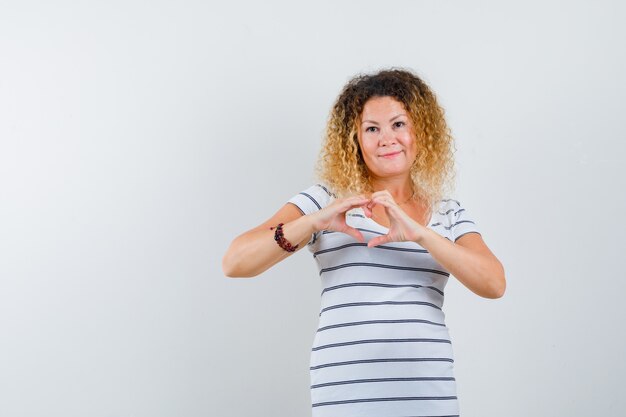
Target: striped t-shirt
x,y
382,348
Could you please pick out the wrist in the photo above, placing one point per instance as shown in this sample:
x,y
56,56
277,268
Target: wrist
x,y
422,234
311,223
280,239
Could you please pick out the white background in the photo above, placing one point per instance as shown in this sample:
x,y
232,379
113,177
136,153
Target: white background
x,y
137,138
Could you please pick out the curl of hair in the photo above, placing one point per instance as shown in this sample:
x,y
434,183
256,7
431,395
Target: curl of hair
x,y
340,163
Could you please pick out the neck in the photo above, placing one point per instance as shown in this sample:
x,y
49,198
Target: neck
x,y
400,188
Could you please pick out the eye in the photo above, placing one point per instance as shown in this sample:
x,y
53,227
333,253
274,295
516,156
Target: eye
x,y
371,129
399,124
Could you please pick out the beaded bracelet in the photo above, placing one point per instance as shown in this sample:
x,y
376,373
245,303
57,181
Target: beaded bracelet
x,y
280,239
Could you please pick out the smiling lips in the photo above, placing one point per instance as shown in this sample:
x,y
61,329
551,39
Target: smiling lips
x,y
390,155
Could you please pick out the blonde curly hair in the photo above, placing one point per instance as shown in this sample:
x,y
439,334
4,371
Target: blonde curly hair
x,y
340,164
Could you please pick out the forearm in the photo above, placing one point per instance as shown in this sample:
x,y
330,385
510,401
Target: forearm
x,y
481,272
255,251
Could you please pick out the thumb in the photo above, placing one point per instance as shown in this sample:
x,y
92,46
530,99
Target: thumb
x,y
378,240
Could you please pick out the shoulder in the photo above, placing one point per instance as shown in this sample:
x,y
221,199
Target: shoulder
x,y
447,205
313,198
453,218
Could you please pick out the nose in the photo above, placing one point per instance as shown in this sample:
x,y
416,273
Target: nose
x,y
387,137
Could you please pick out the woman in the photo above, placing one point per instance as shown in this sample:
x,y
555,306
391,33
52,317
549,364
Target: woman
x,y
385,242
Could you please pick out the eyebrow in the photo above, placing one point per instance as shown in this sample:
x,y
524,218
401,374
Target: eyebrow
x,y
391,120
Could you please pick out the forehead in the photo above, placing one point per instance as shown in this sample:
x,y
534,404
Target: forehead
x,y
377,107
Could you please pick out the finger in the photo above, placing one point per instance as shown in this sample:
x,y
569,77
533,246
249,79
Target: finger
x,y
383,194
354,202
385,202
380,199
378,240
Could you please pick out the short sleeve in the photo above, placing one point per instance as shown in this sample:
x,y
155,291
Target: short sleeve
x,y
311,200
461,222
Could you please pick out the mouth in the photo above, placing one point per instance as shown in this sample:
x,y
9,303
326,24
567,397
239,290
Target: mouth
x,y
390,155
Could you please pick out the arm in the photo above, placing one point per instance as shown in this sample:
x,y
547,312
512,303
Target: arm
x,y
255,251
469,259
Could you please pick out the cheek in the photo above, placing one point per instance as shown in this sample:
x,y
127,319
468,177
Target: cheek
x,y
411,141
411,146
367,149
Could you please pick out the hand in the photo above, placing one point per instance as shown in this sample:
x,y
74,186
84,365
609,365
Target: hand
x,y
333,216
402,228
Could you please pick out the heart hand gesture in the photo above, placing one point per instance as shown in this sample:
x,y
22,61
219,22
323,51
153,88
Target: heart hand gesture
x,y
333,216
402,228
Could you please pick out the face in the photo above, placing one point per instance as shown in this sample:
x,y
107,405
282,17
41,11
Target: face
x,y
386,138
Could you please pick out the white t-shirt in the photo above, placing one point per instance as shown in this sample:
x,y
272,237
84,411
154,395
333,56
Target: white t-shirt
x,y
382,347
